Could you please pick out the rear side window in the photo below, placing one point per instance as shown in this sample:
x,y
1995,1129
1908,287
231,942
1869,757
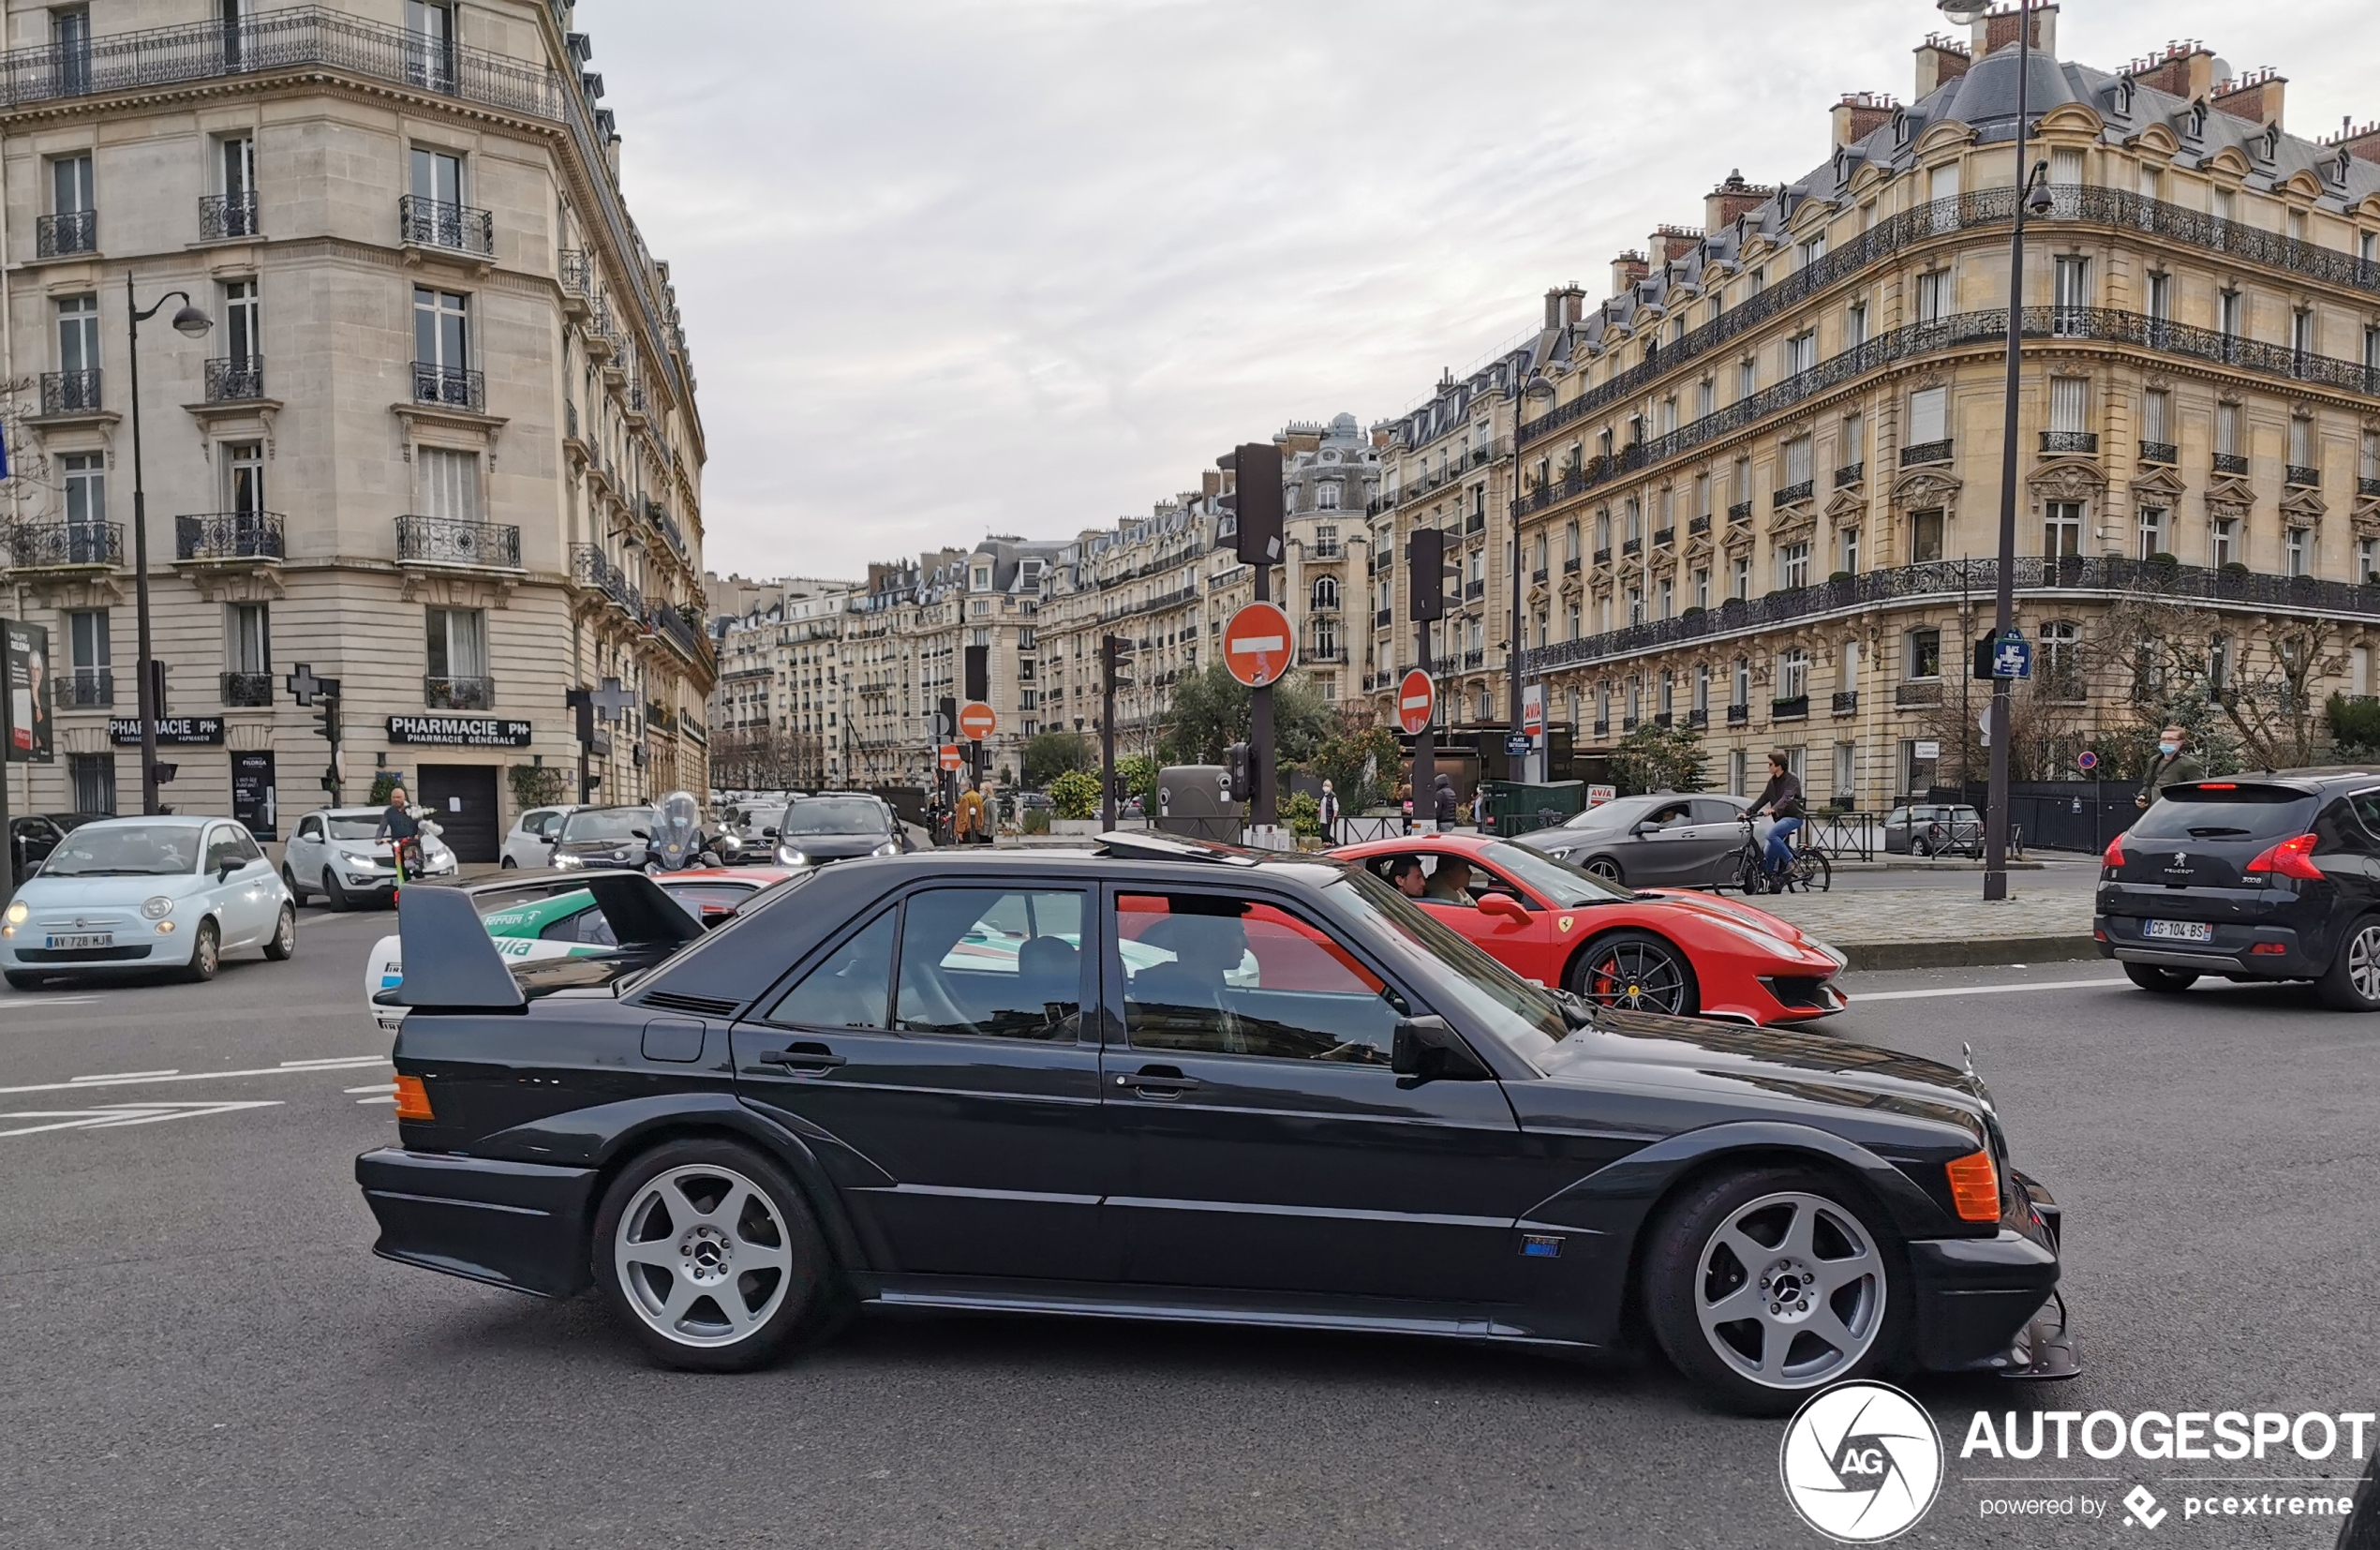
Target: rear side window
x,y
2366,806
2222,811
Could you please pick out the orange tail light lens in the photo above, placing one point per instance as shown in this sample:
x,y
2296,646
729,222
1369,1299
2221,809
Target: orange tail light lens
x,y
413,1103
2115,855
1974,1187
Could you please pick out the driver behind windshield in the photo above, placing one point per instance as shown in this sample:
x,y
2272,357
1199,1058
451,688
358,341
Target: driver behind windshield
x,y
1451,882
1405,875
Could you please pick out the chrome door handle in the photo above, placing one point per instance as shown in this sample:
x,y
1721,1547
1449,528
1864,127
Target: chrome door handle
x,y
804,1057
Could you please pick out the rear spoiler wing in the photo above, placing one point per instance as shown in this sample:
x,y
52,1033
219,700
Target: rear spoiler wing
x,y
451,962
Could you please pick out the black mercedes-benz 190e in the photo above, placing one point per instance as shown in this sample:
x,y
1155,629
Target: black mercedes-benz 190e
x,y
1173,1081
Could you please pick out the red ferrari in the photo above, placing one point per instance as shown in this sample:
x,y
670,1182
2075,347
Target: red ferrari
x,y
1685,953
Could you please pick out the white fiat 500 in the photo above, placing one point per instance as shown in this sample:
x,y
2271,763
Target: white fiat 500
x,y
129,895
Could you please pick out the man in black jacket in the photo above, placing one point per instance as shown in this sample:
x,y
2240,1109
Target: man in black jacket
x,y
1781,798
1447,806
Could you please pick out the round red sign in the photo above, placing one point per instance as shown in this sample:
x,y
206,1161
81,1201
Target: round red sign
x,y
976,721
1256,644
950,759
1416,698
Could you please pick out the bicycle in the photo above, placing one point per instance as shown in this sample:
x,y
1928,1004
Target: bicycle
x,y
1811,871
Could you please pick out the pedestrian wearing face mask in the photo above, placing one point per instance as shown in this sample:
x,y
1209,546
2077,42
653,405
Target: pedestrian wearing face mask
x,y
2174,765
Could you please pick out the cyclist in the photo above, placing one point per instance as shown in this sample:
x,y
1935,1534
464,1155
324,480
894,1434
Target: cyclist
x,y
1781,798
403,831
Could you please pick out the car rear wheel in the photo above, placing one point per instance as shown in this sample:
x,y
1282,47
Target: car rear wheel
x,y
1637,972
2352,983
706,1250
206,953
1766,1285
1607,869
2165,981
508,865
282,945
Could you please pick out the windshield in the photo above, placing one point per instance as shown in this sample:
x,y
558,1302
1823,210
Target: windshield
x,y
609,823
1565,886
835,815
126,850
354,828
1611,814
2227,813
1524,1017
679,810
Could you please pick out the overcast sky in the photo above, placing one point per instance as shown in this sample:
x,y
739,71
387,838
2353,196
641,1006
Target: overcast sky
x,y
959,267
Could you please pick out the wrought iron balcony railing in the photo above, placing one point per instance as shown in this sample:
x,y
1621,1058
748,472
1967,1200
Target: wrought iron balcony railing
x,y
86,688
70,391
230,378
1664,537
64,545
1793,708
436,223
455,389
2100,573
1740,512
2076,443
1850,473
229,535
1917,694
446,541
1697,527
458,694
576,272
2231,462
1924,452
246,690
2303,476
1846,702
2160,452
68,232
224,217
1738,714
1700,716
1791,494
1603,555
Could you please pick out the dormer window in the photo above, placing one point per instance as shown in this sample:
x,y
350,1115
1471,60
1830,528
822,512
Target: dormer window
x,y
983,578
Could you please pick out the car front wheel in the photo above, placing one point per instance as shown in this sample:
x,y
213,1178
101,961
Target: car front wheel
x,y
2352,983
707,1251
340,899
1607,869
282,945
1766,1285
2149,977
206,953
1637,972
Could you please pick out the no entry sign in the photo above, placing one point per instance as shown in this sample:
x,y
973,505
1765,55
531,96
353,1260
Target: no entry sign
x,y
1416,697
976,721
950,759
1256,644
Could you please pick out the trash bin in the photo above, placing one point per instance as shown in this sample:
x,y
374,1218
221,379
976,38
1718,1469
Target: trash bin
x,y
1516,807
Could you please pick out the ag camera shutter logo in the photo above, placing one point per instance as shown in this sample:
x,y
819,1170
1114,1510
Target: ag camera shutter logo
x,y
1861,1463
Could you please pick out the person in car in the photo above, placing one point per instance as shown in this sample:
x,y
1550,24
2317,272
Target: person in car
x,y
2174,765
1451,882
1781,800
1405,875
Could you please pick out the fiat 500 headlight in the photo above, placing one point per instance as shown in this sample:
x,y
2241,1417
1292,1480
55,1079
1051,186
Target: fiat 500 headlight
x,y
157,908
18,913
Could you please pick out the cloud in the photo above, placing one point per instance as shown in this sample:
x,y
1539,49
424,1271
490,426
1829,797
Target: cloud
x,y
1024,267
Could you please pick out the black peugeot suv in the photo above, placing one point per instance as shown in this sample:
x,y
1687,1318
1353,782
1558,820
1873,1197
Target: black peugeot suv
x,y
2273,876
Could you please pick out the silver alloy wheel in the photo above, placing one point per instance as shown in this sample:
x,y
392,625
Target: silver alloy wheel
x,y
1605,868
2363,960
285,931
703,1255
1789,1290
206,953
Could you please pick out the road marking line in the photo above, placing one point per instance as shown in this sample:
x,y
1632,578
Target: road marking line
x,y
1863,997
132,1075
391,1098
85,1083
325,1061
29,1000
376,1087
117,1116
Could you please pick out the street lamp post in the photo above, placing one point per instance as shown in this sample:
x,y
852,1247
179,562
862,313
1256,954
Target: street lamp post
x,y
192,322
2029,191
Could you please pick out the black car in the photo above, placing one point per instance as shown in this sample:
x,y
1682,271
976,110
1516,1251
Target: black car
x,y
35,835
1211,1088
836,826
2251,877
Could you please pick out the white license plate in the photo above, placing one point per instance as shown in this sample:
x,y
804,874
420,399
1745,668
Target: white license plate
x,y
2178,931
76,942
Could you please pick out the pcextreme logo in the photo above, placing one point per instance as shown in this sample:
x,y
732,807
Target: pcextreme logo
x,y
1861,1463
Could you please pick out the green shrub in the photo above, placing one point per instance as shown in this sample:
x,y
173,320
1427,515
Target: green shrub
x,y
383,785
538,785
1304,815
1035,821
2354,722
1076,793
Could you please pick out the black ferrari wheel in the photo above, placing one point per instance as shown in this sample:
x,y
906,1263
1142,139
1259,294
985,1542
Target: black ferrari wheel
x,y
708,1253
2164,981
1637,972
1764,1286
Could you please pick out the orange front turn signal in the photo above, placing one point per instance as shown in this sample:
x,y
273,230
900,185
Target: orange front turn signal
x,y
1974,1187
413,1103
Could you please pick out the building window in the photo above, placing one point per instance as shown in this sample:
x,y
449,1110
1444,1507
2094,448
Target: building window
x,y
2071,294
1701,586
1929,417
247,638
1705,399
1570,546
2223,544
1572,620
1933,295
2069,405
1923,656
87,481
1792,673
2156,421
1326,495
2067,166
1924,536
2296,552
243,466
1797,462
78,340
441,330
1742,582
93,777
243,338
2152,532
1636,606
2228,312
1793,565
1747,379
2160,296
450,483
1741,685
458,642
2061,529
1855,325
1736,765
1326,592
1801,354
1703,688
2301,442
2367,566
90,660
2225,204
429,44
2227,430
1849,553
1844,757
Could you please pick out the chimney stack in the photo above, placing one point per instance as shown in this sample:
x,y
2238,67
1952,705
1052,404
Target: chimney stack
x,y
2254,97
1730,200
2363,143
1996,30
1672,243
1563,305
2186,69
1940,61
1629,271
1861,115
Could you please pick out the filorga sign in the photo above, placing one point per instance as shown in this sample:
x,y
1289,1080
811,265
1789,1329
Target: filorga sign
x,y
461,731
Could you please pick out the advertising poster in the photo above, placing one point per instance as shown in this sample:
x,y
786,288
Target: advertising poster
x,y
30,736
253,798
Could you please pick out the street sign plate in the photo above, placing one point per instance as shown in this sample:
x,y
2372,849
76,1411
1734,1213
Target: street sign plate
x,y
976,721
950,759
1256,644
1417,698
1516,744
2012,659
1926,748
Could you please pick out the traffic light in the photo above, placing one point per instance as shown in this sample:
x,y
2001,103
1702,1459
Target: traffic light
x,y
1240,778
165,772
326,719
1115,664
1257,477
1981,666
1425,557
978,674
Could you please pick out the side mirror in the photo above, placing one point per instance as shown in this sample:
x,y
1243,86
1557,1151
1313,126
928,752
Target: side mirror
x,y
223,873
768,834
642,833
1504,906
1426,1049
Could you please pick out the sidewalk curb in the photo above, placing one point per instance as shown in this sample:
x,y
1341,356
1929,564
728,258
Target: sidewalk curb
x,y
1981,952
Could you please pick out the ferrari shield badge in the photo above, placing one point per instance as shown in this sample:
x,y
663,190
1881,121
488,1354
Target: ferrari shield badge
x,y
1564,922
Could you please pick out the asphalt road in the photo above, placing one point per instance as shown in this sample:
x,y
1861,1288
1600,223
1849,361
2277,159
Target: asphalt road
x,y
200,1349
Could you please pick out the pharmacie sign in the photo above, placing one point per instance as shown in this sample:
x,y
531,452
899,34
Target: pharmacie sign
x,y
460,731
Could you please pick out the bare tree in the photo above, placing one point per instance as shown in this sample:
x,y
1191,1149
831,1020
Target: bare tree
x,y
2173,653
766,759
